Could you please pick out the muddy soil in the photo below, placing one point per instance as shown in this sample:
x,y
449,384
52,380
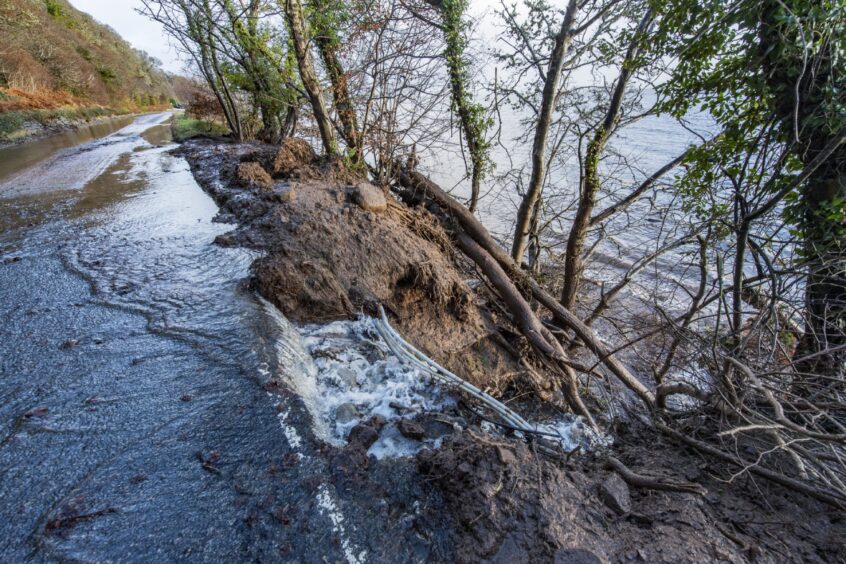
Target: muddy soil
x,y
337,245
334,248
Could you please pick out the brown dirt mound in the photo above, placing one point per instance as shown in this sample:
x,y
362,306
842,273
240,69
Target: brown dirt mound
x,y
331,259
292,154
328,258
253,175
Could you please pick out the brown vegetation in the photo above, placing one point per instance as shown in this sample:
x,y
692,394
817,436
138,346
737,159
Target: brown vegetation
x,y
53,55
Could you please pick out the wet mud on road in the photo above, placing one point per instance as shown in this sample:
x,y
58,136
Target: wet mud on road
x,y
143,408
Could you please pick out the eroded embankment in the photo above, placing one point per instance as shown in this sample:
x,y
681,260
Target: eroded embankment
x,y
335,246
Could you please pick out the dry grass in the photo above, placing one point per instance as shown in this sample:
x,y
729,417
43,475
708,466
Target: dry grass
x,y
54,56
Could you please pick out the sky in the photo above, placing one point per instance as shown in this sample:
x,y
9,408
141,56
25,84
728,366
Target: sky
x,y
139,31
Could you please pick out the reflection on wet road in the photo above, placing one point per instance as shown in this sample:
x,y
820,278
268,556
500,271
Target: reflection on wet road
x,y
135,418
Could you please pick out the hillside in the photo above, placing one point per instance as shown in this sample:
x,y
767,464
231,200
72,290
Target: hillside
x,y
58,62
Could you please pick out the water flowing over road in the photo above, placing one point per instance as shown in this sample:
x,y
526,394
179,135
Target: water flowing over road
x,y
140,418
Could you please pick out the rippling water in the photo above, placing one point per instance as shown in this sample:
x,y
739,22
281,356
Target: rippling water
x,y
134,407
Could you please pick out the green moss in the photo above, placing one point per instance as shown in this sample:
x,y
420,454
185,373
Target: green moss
x,y
185,128
54,8
10,122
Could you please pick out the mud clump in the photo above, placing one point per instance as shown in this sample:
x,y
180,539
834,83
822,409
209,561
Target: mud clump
x,y
253,175
292,154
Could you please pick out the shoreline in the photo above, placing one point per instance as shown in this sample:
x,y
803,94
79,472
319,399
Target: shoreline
x,y
34,130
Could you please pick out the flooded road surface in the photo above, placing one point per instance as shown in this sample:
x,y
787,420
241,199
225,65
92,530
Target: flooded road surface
x,y
138,417
16,158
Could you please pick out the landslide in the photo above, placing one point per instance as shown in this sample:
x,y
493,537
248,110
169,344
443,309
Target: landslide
x,y
337,246
334,245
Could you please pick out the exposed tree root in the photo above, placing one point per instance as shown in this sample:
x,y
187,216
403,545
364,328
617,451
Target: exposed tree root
x,y
538,336
649,483
419,185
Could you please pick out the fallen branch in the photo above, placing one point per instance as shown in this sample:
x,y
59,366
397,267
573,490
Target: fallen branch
x,y
649,483
829,497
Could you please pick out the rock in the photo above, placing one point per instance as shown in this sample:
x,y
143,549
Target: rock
x,y
506,455
614,493
362,436
285,195
575,556
349,376
510,552
345,413
411,429
226,239
369,197
435,427
253,175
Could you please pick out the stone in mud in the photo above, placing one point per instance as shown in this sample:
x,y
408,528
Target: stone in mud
x,y
510,551
614,493
411,429
369,197
285,195
437,426
226,239
363,435
345,413
506,455
253,175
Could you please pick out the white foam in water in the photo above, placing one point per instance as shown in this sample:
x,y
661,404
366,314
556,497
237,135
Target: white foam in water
x,y
357,378
573,432
345,373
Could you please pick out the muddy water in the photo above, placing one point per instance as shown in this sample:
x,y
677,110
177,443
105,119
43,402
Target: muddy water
x,y
20,157
137,418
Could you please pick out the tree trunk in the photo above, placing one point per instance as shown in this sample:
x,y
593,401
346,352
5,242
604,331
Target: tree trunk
x,y
574,262
290,125
805,120
550,90
299,37
327,44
